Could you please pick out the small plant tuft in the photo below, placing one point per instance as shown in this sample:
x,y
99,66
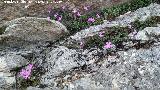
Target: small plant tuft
x,y
116,35
150,22
2,29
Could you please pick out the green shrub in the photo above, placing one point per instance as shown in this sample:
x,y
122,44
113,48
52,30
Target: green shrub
x,y
2,29
116,35
150,22
123,8
75,23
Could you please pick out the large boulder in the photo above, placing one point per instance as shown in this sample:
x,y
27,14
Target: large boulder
x,y
33,29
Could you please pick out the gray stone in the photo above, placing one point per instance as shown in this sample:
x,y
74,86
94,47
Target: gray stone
x,y
62,60
34,29
128,70
11,61
6,80
135,69
36,88
59,60
85,84
149,33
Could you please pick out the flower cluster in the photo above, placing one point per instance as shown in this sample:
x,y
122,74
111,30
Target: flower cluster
x,y
25,73
76,12
91,20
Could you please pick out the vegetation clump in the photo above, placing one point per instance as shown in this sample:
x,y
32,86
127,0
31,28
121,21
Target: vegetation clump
x,y
150,22
75,22
116,35
2,29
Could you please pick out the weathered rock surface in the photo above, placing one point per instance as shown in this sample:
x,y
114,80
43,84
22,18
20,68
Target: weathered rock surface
x,y
35,88
62,59
78,69
130,70
149,33
24,32
34,29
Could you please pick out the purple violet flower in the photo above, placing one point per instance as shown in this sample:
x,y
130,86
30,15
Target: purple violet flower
x,y
108,45
74,10
25,73
91,20
78,14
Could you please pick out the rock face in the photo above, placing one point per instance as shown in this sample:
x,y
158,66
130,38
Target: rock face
x,y
62,59
77,69
11,61
135,69
148,33
130,70
24,32
34,29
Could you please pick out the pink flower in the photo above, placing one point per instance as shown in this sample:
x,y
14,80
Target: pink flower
x,y
97,15
30,66
91,20
59,18
101,34
25,73
78,14
108,45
